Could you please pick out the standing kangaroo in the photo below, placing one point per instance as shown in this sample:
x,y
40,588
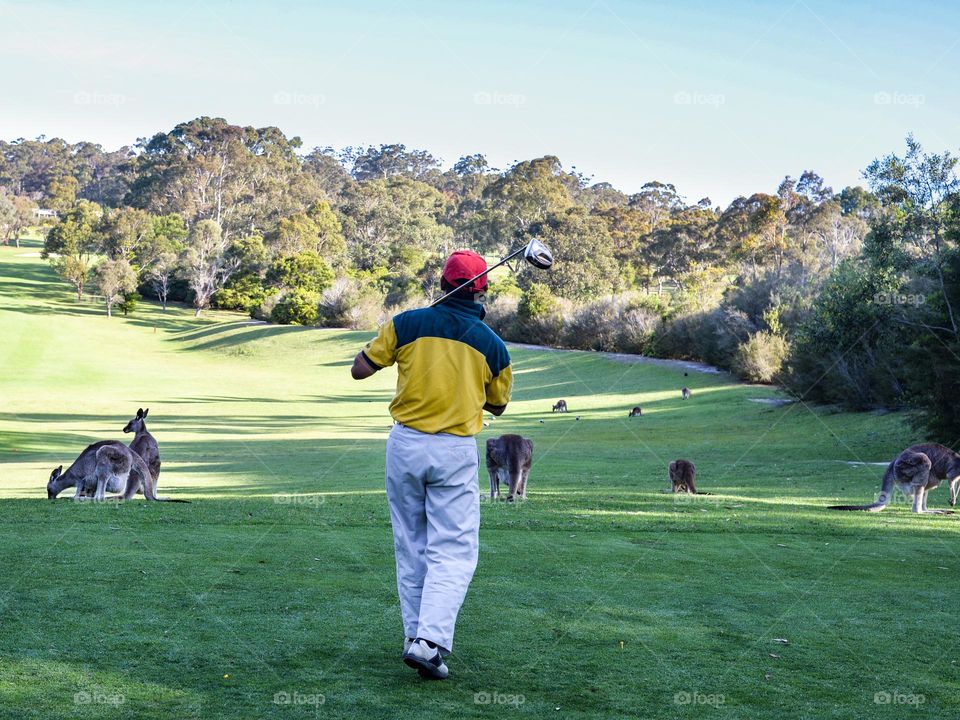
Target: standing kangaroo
x,y
683,476
916,471
636,412
144,443
685,393
509,458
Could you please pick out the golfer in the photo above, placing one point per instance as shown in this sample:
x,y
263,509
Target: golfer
x,y
451,368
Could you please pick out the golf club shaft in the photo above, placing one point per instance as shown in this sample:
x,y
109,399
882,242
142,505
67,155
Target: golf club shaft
x,y
462,285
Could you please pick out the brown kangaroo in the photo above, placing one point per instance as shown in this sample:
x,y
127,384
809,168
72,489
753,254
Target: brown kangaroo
x,y
509,458
683,476
685,393
916,471
144,444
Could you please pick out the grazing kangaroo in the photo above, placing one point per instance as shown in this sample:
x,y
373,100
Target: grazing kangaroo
x,y
636,412
916,471
81,474
561,406
686,394
683,476
509,458
119,466
144,444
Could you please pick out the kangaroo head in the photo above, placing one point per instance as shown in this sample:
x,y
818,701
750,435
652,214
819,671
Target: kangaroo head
x,y
136,425
51,488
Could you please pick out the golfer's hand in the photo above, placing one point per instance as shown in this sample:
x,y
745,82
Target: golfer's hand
x,y
361,368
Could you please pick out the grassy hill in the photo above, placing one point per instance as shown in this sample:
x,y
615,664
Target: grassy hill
x,y
601,596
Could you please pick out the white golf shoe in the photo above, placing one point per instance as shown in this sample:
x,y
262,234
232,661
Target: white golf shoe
x,y
425,657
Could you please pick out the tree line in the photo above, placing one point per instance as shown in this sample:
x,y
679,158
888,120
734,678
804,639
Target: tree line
x,y
848,297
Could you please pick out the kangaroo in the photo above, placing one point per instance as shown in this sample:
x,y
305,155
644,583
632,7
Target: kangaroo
x,y
636,412
144,444
81,474
509,458
561,406
685,393
683,476
916,471
119,466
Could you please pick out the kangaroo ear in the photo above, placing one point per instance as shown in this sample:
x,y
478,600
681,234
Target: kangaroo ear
x,y
140,413
146,411
60,468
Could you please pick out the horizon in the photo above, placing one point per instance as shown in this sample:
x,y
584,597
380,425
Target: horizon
x,y
720,102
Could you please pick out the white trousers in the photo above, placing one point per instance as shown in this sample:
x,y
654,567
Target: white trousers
x,y
434,498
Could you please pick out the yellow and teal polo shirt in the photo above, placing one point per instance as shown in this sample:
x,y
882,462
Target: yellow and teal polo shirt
x,y
449,362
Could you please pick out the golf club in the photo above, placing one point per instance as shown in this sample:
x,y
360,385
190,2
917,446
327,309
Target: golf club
x,y
534,252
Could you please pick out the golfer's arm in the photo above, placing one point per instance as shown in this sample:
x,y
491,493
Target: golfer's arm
x,y
494,409
361,368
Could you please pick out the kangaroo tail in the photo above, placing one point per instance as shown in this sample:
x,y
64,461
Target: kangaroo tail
x,y
886,490
166,499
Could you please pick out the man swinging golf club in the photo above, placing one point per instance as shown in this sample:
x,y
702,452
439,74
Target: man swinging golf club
x,y
451,368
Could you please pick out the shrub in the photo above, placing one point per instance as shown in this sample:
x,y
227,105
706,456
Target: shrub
x,y
305,271
536,301
242,292
595,326
296,307
348,303
761,357
638,327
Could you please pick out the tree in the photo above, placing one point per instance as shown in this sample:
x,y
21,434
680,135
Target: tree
x,y
62,193
386,161
16,214
206,263
115,278
317,230
72,242
160,273
307,271
126,233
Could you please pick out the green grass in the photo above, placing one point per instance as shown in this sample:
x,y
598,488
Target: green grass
x,y
602,596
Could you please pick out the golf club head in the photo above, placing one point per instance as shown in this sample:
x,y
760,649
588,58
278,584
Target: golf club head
x,y
538,254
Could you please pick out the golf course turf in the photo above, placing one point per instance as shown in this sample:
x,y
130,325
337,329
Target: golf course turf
x,y
272,595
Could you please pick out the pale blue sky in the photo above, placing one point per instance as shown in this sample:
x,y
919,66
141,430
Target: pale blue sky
x,y
721,99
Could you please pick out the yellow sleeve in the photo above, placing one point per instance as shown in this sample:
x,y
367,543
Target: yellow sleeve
x,y
499,389
381,352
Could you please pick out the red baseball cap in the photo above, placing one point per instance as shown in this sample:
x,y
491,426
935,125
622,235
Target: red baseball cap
x,y
463,265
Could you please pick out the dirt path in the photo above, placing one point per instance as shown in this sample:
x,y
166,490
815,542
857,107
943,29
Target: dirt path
x,y
689,365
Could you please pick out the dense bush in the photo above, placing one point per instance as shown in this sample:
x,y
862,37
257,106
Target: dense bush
x,y
760,359
349,303
296,307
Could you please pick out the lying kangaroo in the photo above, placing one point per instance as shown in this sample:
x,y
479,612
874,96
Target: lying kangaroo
x,y
144,443
509,458
561,406
636,412
683,475
119,466
916,471
685,393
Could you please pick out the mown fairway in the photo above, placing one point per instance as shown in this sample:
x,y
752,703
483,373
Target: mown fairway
x,y
602,596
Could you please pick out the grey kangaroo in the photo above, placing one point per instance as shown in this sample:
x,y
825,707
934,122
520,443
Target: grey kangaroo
x,y
916,471
144,443
685,393
509,458
636,412
119,466
81,473
683,475
561,406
